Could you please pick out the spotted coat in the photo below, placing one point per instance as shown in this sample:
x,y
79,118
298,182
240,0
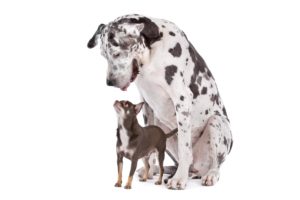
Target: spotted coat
x,y
177,86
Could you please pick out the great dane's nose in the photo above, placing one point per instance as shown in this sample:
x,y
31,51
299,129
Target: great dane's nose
x,y
110,82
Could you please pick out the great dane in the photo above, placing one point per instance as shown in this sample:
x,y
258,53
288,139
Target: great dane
x,y
177,87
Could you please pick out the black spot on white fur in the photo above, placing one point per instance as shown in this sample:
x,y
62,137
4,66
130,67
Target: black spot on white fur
x,y
194,89
145,119
225,141
221,158
209,74
204,90
169,73
185,113
217,113
224,111
172,33
230,146
176,51
111,39
199,66
215,99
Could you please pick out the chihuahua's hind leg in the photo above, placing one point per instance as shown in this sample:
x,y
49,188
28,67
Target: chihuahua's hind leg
x,y
161,157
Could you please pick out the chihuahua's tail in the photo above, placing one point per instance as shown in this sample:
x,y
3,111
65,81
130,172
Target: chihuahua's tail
x,y
172,133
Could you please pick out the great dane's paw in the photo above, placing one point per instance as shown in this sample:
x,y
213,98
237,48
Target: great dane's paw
x,y
158,183
211,178
152,171
177,183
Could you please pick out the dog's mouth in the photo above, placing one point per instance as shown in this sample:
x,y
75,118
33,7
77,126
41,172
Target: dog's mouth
x,y
134,74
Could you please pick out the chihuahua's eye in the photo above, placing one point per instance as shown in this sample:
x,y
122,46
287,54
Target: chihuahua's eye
x,y
116,55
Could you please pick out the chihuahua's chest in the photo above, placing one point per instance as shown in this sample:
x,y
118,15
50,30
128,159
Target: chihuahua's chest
x,y
123,142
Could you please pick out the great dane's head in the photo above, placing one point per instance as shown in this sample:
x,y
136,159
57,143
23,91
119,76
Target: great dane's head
x,y
123,43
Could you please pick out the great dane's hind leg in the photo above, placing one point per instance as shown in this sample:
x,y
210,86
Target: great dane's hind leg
x,y
220,143
146,169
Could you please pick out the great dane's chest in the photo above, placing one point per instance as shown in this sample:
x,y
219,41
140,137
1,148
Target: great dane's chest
x,y
159,100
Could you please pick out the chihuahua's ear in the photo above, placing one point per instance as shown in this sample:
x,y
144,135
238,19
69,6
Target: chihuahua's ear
x,y
138,107
94,40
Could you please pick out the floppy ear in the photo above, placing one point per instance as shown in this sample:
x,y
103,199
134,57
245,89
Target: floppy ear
x,y
138,107
150,32
94,40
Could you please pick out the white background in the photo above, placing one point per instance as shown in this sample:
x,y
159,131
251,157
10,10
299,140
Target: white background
x,y
57,123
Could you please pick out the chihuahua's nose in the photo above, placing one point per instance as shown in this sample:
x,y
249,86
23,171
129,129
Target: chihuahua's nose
x,y
110,82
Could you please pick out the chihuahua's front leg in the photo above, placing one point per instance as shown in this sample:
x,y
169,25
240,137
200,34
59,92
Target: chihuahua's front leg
x,y
120,168
132,170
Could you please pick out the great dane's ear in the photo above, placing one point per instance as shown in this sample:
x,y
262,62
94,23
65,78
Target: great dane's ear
x,y
94,40
138,107
150,32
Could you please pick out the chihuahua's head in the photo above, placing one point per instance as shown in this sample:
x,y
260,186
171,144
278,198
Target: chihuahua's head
x,y
127,112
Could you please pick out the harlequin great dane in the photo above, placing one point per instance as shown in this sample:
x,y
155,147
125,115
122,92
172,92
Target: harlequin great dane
x,y
177,87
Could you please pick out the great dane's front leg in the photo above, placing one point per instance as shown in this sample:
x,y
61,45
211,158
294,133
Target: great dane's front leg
x,y
182,105
148,116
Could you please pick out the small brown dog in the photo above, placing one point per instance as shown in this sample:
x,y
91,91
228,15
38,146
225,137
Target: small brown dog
x,y
135,142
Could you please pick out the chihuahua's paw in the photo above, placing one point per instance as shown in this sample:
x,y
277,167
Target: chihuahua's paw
x,y
127,187
118,184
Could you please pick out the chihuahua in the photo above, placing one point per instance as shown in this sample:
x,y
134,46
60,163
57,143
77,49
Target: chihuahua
x,y
135,142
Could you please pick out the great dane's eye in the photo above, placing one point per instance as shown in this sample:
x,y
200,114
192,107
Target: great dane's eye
x,y
116,55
